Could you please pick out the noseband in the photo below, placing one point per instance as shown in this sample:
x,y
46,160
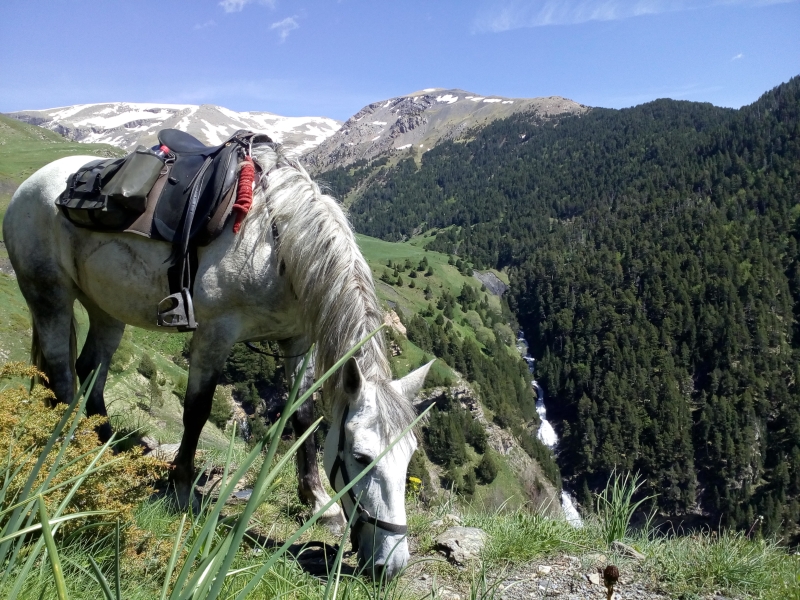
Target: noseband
x,y
363,513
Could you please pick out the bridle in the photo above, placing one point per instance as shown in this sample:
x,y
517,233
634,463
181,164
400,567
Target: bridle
x,y
363,514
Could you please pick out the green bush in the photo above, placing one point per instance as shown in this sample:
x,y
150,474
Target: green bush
x,y
147,367
488,468
485,336
221,410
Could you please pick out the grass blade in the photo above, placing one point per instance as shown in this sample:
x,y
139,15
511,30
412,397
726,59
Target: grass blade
x,y
52,552
173,558
101,579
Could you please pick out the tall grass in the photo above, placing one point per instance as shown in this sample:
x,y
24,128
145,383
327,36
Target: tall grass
x,y
205,561
615,505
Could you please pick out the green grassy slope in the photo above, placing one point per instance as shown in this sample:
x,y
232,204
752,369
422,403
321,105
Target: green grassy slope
x,y
25,148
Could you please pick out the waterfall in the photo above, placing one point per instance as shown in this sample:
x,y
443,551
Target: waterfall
x,y
546,434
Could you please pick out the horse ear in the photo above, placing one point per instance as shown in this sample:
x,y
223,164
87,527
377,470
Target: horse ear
x,y
411,384
351,377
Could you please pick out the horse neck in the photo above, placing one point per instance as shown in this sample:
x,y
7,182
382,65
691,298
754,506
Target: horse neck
x,y
328,274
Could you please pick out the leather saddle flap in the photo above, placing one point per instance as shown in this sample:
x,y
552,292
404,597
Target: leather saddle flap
x,y
214,183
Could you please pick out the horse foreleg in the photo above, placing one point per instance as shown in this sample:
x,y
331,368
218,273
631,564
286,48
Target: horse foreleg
x,y
103,338
210,347
310,488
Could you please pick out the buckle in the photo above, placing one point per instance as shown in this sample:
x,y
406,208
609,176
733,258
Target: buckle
x,y
177,310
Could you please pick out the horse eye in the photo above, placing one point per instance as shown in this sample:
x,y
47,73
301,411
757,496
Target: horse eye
x,y
361,459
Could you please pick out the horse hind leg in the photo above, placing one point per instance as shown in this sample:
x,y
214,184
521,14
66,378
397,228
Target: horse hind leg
x,y
37,355
105,333
53,341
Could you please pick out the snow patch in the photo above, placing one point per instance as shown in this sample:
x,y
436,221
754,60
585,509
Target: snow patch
x,y
492,100
377,137
474,98
508,102
448,98
403,147
379,122
216,134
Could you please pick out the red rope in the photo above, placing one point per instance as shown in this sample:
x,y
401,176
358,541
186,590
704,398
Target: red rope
x,y
244,194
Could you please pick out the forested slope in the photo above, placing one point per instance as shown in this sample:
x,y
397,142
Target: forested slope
x,y
654,265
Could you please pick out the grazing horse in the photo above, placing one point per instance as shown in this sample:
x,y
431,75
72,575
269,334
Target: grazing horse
x,y
293,273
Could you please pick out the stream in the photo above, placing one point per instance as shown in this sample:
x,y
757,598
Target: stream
x,y
546,434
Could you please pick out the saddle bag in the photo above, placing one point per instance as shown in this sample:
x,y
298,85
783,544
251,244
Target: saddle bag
x,y
130,185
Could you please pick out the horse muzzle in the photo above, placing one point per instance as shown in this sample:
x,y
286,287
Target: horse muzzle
x,y
383,556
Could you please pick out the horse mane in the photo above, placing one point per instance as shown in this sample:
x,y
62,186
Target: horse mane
x,y
317,251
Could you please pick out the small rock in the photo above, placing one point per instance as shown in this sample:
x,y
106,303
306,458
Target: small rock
x,y
424,577
149,443
544,569
461,544
626,550
240,497
166,452
593,578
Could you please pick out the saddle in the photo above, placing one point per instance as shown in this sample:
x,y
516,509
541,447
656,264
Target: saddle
x,y
183,197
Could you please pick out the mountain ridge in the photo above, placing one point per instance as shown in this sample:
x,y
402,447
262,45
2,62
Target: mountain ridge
x,y
129,124
419,121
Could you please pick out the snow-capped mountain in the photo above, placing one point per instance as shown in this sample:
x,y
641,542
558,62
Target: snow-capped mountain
x,y
421,120
128,124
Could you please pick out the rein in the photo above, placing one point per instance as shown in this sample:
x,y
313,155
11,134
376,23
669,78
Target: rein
x,y
363,513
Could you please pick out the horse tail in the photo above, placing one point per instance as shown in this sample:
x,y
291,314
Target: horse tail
x,y
37,356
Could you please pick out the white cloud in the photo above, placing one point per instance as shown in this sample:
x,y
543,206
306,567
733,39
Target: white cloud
x,y
206,25
516,14
285,27
738,56
230,6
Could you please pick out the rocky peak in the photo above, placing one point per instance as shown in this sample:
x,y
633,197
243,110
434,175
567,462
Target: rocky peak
x,y
418,121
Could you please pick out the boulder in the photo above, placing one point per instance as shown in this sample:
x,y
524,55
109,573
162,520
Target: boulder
x,y
461,544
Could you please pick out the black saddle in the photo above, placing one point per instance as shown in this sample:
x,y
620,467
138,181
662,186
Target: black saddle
x,y
199,178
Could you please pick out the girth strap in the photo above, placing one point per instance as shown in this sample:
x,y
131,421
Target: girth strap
x,y
363,513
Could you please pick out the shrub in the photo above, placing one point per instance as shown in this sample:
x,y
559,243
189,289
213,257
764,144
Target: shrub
x,y
504,333
123,356
469,482
147,367
485,336
25,429
488,467
473,319
221,410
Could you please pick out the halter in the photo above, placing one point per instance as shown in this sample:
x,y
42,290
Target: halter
x,y
363,513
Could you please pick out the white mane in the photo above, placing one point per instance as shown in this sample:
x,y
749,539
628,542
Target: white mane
x,y
318,253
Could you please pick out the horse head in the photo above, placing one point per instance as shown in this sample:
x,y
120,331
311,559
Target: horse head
x,y
361,431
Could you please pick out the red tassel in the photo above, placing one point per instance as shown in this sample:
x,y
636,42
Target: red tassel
x,y
244,194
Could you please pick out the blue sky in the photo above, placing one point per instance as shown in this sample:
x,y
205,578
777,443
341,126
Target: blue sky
x,y
330,58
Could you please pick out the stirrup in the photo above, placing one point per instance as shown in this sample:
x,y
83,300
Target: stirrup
x,y
177,310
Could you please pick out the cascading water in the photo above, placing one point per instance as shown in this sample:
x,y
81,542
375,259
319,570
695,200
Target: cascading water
x,y
546,433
